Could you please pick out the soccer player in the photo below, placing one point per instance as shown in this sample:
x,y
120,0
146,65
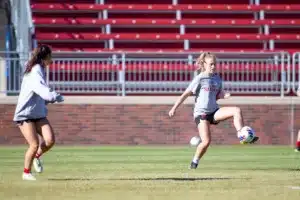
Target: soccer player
x,y
207,88
31,111
297,149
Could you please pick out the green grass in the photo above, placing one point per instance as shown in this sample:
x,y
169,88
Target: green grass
x,y
225,172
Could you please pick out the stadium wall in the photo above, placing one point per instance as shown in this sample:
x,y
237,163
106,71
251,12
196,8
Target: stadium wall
x,y
139,121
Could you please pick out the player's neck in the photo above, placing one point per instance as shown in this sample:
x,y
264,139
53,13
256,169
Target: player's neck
x,y
208,73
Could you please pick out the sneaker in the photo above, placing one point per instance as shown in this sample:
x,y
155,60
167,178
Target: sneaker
x,y
28,177
193,165
38,166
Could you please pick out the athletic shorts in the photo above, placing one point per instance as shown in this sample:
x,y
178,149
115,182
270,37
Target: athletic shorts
x,y
28,120
208,117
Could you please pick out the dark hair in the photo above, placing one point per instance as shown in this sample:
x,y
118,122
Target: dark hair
x,y
40,53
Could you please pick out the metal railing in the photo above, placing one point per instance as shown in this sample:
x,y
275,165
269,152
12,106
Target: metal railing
x,y
140,73
11,68
85,75
244,75
296,72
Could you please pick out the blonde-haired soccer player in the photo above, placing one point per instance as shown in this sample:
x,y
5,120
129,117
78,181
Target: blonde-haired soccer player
x,y
207,88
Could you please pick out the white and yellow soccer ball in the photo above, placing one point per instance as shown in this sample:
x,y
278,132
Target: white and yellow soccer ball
x,y
246,135
195,141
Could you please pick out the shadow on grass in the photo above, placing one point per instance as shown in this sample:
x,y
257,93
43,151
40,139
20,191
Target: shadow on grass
x,y
141,179
294,169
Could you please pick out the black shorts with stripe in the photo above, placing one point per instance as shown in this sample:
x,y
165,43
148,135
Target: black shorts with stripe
x,y
209,117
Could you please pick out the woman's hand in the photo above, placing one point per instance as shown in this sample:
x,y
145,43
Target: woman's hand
x,y
172,112
223,95
227,95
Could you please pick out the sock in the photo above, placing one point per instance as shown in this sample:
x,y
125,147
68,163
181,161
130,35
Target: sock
x,y
38,155
298,145
26,171
195,160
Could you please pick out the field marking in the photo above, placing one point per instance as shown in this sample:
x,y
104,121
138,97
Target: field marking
x,y
294,187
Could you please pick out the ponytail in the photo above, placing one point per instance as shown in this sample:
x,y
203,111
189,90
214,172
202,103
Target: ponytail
x,y
38,55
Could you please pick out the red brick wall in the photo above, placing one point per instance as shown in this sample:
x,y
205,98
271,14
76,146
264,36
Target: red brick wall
x,y
149,124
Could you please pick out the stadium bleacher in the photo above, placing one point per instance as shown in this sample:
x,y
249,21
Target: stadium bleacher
x,y
111,47
186,26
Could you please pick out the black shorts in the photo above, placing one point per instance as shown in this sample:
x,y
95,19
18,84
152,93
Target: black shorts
x,y
29,120
208,117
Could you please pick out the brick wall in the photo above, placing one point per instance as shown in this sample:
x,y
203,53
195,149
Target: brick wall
x,y
149,124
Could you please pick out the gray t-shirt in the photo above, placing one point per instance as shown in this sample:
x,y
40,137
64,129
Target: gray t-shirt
x,y
33,96
205,88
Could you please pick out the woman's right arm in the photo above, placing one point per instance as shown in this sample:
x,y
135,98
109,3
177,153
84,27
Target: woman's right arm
x,y
191,89
180,100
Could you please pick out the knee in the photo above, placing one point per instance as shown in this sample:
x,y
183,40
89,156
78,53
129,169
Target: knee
x,y
34,146
50,142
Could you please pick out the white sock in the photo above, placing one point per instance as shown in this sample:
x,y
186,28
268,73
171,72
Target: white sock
x,y
195,160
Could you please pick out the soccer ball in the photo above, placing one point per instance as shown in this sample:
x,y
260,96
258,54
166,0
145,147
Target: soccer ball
x,y
246,134
195,141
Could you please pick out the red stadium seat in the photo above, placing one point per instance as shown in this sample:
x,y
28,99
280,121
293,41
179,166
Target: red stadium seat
x,y
286,37
160,7
155,37
156,22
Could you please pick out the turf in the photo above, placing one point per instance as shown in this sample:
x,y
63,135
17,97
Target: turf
x,y
226,172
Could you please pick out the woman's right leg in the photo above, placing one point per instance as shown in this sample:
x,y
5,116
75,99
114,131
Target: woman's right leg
x,y
29,132
204,132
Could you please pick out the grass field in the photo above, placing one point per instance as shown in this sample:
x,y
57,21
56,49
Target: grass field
x,y
226,172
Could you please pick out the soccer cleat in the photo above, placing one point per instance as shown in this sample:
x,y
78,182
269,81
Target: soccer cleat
x,y
38,166
193,165
297,150
28,177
